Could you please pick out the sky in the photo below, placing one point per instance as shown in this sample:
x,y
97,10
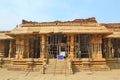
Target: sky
x,y
13,11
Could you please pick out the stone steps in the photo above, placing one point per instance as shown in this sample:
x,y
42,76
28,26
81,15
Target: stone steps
x,y
17,68
114,65
57,67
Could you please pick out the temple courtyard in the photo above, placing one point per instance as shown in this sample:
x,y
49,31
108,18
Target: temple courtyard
x,y
82,75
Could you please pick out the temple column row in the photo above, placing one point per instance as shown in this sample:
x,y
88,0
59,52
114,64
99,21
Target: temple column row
x,y
95,47
11,46
23,44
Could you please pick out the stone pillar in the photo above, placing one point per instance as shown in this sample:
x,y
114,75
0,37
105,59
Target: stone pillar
x,y
46,46
71,54
99,46
31,42
110,49
42,53
68,44
10,49
96,43
98,63
1,48
26,52
19,48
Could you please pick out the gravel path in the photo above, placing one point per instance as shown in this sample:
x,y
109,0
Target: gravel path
x,y
84,75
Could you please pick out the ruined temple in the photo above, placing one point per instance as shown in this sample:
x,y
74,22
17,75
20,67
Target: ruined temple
x,y
80,44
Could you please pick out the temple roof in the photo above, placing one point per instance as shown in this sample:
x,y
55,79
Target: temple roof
x,y
77,26
115,28
61,29
3,35
83,26
112,25
88,20
114,35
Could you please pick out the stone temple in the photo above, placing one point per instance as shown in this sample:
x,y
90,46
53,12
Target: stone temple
x,y
61,47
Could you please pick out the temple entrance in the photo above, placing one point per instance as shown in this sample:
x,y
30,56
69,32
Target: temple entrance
x,y
57,45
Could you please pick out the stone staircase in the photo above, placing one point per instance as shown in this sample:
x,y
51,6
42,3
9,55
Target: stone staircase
x,y
57,67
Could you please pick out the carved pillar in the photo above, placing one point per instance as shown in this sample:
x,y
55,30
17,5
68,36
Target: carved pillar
x,y
1,48
110,49
42,53
46,46
19,48
11,49
26,47
68,44
99,55
71,55
96,43
97,61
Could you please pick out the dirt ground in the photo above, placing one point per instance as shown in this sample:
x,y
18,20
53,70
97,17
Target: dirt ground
x,y
83,75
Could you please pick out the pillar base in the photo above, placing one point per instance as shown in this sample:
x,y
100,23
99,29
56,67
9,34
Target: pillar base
x,y
1,55
18,56
71,55
97,56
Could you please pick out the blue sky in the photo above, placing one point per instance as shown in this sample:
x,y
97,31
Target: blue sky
x,y
13,11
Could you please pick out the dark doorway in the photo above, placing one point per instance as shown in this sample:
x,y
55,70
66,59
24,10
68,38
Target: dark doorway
x,y
82,45
6,48
34,47
116,47
104,48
